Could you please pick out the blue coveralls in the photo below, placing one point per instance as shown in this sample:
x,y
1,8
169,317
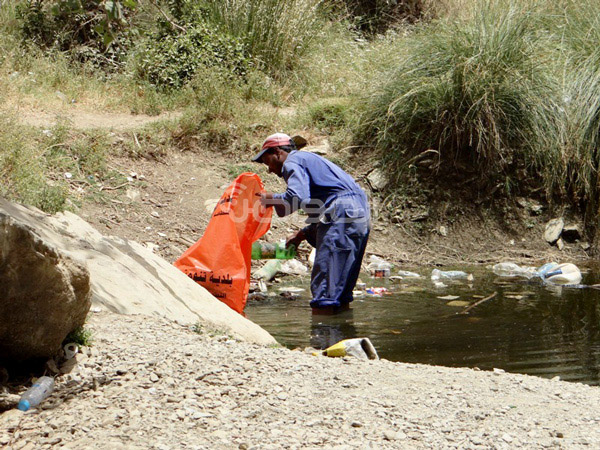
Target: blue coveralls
x,y
339,223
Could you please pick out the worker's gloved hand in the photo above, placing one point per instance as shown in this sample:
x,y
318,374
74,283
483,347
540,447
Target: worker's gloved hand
x,y
295,239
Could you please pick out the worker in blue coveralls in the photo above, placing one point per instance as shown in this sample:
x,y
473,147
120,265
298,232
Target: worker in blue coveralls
x,y
338,217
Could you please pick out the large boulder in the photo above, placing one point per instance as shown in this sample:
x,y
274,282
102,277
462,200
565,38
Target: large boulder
x,y
44,293
127,278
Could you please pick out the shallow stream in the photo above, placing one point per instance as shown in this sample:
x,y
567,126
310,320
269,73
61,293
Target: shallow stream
x,y
528,327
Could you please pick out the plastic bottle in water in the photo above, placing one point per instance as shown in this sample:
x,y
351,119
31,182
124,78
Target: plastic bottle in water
x,y
543,270
509,269
437,274
36,394
267,250
378,267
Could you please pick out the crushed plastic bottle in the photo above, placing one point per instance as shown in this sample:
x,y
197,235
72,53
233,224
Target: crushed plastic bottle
x,y
510,269
437,274
37,393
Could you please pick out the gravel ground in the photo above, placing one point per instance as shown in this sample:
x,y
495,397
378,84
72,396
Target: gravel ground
x,y
148,383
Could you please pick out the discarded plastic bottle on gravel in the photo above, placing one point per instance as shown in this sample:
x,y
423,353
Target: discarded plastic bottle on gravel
x,y
437,274
37,393
267,250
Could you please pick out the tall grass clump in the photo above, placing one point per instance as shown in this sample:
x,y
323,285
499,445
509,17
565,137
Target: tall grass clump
x,y
577,36
277,33
471,90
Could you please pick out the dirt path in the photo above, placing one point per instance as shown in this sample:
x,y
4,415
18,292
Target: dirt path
x,y
79,117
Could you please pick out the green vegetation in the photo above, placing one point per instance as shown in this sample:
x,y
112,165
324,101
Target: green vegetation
x,y
80,336
470,90
278,33
236,170
503,92
24,175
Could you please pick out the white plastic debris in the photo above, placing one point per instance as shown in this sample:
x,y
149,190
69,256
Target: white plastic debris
x,y
292,289
70,350
407,274
293,267
510,269
379,267
563,274
311,257
437,274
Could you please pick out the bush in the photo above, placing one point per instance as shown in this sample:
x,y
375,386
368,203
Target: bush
x,y
80,336
277,33
329,113
170,59
473,91
91,30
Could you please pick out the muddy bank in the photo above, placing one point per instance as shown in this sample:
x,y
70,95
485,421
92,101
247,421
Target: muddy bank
x,y
150,383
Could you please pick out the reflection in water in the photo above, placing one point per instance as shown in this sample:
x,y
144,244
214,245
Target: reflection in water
x,y
527,328
329,330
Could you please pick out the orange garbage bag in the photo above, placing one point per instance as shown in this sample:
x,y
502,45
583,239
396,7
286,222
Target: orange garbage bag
x,y
220,260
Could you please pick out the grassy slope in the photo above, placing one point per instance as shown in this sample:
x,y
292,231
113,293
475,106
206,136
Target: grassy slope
x,y
491,89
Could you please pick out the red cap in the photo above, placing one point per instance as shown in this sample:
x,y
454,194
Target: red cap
x,y
275,140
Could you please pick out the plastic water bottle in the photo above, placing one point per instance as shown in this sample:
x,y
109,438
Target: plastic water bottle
x,y
378,267
437,274
509,269
543,270
36,394
267,250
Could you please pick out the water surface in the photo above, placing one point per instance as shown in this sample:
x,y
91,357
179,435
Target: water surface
x,y
528,327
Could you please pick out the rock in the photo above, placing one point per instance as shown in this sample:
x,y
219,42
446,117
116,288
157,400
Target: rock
x,y
507,438
458,303
126,277
560,243
8,401
210,204
419,216
9,420
377,180
532,206
571,233
324,149
45,293
553,230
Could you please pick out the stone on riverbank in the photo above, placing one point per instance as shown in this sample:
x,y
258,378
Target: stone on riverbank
x,y
44,294
127,278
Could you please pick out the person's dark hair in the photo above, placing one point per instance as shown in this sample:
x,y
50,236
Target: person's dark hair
x,y
285,148
288,148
